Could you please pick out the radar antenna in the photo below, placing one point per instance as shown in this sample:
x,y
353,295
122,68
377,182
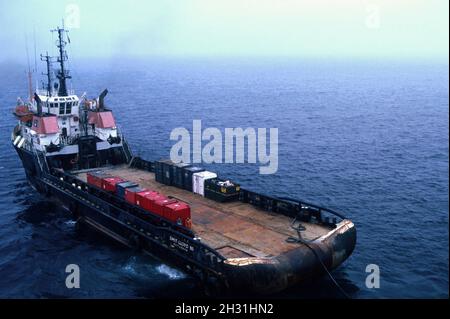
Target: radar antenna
x,y
62,74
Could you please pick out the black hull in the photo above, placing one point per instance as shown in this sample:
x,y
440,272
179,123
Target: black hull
x,y
119,221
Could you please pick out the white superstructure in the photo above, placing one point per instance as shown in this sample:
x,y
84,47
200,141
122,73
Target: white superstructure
x,y
55,117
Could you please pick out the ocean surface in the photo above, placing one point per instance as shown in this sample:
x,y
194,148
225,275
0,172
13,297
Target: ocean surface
x,y
366,138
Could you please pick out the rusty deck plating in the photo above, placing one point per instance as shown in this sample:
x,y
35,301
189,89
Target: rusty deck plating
x,y
234,229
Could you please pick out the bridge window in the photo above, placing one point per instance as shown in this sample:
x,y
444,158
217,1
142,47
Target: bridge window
x,y
61,108
69,108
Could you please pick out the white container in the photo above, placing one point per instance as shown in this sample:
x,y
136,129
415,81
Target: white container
x,y
198,181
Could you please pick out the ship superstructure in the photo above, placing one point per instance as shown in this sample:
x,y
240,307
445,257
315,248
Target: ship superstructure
x,y
60,124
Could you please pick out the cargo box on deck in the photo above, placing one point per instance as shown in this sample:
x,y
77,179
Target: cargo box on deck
x,y
187,176
178,174
221,190
149,202
95,178
109,183
179,213
158,172
130,194
158,205
198,181
163,171
143,198
167,172
222,186
120,188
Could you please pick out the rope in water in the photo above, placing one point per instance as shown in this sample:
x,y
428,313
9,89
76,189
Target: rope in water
x,y
300,228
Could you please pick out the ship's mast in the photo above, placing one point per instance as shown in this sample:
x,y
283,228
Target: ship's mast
x,y
30,86
62,74
48,61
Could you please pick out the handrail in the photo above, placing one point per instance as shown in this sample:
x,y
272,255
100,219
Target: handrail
x,y
69,140
300,202
39,161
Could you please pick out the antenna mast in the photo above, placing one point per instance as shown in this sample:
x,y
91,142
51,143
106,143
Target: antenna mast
x,y
34,42
62,74
30,86
48,61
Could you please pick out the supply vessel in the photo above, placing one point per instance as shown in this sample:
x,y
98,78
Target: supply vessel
x,y
228,237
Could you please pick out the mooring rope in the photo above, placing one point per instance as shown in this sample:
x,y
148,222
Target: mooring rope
x,y
300,240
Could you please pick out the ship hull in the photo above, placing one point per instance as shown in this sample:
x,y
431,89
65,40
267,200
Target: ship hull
x,y
252,275
31,168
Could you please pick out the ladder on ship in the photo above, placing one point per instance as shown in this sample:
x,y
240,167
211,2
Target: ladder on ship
x,y
42,161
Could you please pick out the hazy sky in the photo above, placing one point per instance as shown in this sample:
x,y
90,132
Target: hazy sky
x,y
298,28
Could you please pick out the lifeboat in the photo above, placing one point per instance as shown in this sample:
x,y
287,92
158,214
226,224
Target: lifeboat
x,y
23,113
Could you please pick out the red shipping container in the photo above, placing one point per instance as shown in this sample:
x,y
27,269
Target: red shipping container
x,y
178,212
149,203
143,198
109,183
130,194
95,178
157,206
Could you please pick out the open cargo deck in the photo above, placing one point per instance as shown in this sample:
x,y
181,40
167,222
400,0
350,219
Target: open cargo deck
x,y
233,229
